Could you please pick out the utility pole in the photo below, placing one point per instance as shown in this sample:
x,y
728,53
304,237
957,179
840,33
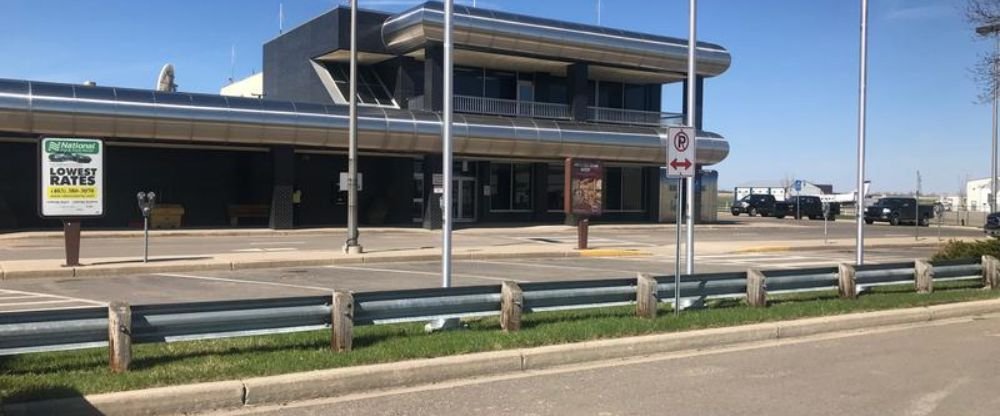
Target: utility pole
x,y
862,101
916,210
446,200
691,117
993,30
351,246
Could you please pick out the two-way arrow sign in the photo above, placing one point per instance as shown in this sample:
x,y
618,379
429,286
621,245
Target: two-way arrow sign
x,y
680,152
686,164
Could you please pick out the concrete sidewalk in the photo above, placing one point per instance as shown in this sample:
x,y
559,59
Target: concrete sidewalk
x,y
477,229
115,266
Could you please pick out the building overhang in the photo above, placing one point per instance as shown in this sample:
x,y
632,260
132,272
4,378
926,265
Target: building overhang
x,y
38,108
511,34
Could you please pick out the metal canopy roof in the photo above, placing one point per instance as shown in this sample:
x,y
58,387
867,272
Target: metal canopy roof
x,y
508,33
42,108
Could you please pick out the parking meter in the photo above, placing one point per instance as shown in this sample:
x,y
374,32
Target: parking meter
x,y
146,203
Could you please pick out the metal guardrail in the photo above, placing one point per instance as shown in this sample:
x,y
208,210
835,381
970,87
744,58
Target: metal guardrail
x,y
58,330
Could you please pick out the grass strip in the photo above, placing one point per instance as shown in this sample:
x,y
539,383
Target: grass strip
x,y
74,373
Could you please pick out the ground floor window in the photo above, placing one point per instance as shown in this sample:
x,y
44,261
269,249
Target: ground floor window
x,y
510,186
555,188
417,207
624,189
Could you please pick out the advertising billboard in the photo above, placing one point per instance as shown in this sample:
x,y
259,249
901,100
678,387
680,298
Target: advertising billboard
x,y
584,187
71,178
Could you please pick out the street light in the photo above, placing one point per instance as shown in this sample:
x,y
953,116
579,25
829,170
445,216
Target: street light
x,y
862,100
992,30
351,246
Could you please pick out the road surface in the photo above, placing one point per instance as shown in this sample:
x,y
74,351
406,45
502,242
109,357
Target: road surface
x,y
945,369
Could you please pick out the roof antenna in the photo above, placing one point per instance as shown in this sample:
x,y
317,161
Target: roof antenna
x,y
232,64
598,12
281,18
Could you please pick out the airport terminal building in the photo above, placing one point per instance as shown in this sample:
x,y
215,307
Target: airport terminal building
x,y
529,93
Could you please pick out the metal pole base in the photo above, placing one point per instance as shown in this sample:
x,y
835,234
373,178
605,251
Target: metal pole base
x,y
445,324
353,250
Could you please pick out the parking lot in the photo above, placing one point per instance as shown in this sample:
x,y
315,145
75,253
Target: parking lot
x,y
46,293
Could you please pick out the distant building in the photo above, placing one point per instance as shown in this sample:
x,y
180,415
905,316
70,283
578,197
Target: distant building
x,y
977,195
251,87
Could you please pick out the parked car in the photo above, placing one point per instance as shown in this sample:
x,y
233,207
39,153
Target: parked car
x,y
992,226
764,205
808,207
898,210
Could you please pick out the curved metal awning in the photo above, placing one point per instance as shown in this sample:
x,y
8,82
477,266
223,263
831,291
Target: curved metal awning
x,y
508,33
64,109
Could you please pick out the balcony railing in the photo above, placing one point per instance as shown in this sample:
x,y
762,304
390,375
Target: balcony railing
x,y
512,108
515,108
622,116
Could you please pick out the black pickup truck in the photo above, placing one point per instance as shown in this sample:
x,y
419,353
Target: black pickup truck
x,y
897,210
808,207
760,204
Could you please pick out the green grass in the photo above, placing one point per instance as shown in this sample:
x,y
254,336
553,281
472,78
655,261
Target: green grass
x,y
67,374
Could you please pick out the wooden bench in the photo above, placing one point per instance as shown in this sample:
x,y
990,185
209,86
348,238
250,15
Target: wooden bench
x,y
247,211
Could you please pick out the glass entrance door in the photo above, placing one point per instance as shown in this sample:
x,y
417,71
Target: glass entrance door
x,y
464,199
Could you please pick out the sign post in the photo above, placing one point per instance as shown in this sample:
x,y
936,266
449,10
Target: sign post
x,y
71,187
584,191
826,217
798,189
680,150
939,212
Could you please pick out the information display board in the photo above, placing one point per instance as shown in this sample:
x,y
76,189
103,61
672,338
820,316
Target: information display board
x,y
71,178
584,187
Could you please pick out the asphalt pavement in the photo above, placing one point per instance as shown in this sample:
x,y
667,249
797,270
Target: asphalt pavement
x,y
59,293
930,369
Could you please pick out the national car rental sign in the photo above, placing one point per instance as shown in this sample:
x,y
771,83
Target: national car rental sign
x,y
71,178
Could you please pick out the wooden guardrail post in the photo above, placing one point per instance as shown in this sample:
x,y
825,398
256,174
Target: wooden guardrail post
x,y
991,272
119,336
511,303
923,274
646,300
756,288
342,321
847,281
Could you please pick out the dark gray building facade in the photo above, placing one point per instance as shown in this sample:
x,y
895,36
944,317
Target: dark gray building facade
x,y
529,93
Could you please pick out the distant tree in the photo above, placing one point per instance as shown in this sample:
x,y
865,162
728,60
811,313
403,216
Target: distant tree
x,y
986,71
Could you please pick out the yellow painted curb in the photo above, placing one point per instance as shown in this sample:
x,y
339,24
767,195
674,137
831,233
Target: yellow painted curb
x,y
613,252
764,249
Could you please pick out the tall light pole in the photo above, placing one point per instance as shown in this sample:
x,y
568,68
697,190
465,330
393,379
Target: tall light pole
x,y
446,199
351,246
691,113
446,140
992,30
862,101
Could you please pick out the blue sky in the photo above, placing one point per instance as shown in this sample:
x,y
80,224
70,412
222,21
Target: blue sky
x,y
788,104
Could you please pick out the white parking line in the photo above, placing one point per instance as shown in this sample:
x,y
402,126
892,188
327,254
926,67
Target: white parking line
x,y
551,266
253,282
471,276
40,302
47,295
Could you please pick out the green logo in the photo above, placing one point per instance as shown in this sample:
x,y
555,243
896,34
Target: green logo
x,y
72,146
